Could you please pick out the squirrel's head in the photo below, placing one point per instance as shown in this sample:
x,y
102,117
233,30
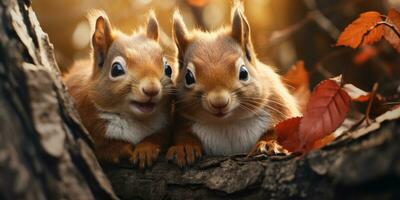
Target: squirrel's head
x,y
218,76
130,73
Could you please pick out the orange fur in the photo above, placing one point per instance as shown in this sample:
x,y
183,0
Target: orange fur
x,y
138,99
218,100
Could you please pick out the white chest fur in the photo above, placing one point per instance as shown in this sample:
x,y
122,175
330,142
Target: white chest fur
x,y
233,138
131,130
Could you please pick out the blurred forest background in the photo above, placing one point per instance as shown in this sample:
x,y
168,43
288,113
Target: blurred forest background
x,y
283,32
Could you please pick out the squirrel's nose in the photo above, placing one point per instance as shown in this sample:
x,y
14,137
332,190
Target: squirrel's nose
x,y
150,87
151,92
219,100
220,105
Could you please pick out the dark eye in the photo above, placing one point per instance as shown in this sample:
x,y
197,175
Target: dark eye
x,y
117,69
243,73
167,69
189,78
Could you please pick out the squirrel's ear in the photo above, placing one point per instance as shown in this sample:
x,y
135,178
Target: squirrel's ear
x,y
102,39
241,30
240,27
180,33
152,26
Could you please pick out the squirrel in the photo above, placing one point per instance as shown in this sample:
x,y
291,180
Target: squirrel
x,y
227,100
124,92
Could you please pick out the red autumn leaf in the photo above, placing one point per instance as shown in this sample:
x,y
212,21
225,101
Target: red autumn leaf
x,y
326,111
353,34
288,134
323,142
390,35
298,80
297,76
363,98
374,35
364,55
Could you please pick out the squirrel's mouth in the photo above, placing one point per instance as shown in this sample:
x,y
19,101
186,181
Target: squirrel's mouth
x,y
146,107
221,114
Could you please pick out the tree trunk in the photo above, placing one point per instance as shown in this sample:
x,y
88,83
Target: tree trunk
x,y
45,153
368,167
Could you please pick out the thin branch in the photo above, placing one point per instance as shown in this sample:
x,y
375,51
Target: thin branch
x,y
322,21
382,23
281,35
373,95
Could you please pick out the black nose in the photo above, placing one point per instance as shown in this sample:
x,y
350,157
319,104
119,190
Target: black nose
x,y
151,92
220,105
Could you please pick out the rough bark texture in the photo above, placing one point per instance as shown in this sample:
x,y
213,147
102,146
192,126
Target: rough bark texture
x,y
365,168
44,151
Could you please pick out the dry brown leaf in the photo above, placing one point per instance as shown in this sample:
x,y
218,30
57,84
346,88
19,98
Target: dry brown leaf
x,y
298,80
390,35
297,76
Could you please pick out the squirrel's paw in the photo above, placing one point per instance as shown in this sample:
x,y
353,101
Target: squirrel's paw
x,y
145,154
184,154
270,147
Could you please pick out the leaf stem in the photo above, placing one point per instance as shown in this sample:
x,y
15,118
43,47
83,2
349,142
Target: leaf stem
x,y
382,23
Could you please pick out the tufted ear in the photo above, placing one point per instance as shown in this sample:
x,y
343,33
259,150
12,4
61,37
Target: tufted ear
x,y
240,30
101,39
152,27
180,33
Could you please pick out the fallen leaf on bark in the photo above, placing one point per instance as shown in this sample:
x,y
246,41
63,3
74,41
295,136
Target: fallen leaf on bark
x,y
288,133
326,111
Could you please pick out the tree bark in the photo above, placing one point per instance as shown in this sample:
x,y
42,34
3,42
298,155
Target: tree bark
x,y
368,167
45,153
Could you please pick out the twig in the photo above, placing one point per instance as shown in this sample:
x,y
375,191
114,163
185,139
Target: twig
x,y
382,23
314,14
325,73
373,95
356,125
319,66
391,103
321,20
281,35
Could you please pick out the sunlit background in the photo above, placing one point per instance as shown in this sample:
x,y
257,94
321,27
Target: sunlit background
x,y
283,31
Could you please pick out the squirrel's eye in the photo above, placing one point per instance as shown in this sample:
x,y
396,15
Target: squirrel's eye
x,y
243,73
167,69
117,69
189,78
